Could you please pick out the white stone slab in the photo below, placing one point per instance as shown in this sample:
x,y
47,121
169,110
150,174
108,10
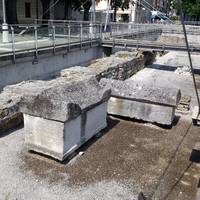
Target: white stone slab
x,y
44,134
95,120
59,139
140,110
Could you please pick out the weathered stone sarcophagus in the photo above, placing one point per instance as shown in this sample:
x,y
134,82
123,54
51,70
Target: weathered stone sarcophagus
x,y
61,116
134,100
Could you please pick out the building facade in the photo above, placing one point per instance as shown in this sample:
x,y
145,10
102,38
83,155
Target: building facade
x,y
28,11
162,5
139,11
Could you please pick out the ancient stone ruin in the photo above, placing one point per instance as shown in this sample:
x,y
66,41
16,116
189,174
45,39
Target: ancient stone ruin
x,y
119,66
63,113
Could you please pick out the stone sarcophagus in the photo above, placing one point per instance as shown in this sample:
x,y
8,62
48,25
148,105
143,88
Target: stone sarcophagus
x,y
134,100
61,116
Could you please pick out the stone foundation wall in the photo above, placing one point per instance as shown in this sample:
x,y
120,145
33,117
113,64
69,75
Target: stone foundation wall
x,y
119,66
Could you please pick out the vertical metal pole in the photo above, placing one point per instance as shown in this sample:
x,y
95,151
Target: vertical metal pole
x,y
54,39
111,29
5,34
81,34
36,42
91,35
94,11
37,10
100,32
13,45
189,55
107,15
4,11
69,36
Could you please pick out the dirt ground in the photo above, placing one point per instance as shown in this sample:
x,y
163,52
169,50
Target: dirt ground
x,y
130,152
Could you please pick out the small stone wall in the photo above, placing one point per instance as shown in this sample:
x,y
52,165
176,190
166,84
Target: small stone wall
x,y
119,66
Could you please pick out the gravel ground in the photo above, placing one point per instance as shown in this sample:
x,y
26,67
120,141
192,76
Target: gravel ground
x,y
128,157
23,185
176,58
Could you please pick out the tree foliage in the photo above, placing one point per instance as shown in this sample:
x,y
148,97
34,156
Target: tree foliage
x,y
116,4
191,7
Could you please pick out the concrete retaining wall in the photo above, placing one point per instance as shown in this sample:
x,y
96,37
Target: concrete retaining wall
x,y
46,67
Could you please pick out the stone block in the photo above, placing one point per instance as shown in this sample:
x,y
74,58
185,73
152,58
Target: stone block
x,y
142,111
130,99
95,120
196,116
60,139
59,119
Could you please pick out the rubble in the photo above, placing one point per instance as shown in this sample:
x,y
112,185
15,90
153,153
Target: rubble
x,y
132,99
10,115
183,70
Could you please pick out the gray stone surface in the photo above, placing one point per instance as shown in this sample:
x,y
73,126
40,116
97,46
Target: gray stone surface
x,y
60,139
10,115
62,114
77,72
137,91
134,100
61,100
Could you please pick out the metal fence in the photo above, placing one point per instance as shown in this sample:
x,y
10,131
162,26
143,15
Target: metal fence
x,y
32,38
51,34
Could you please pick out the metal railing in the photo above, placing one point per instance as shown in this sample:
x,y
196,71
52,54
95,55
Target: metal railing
x,y
35,37
52,34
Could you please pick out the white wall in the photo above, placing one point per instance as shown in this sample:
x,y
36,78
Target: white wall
x,y
21,10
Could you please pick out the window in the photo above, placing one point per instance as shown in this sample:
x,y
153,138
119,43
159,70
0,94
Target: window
x,y
28,10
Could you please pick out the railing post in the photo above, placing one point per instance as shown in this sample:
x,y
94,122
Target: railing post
x,y
69,36
36,42
111,29
81,34
13,44
100,32
91,34
54,39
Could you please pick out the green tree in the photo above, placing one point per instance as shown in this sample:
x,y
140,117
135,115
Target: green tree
x,y
190,7
116,4
82,4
